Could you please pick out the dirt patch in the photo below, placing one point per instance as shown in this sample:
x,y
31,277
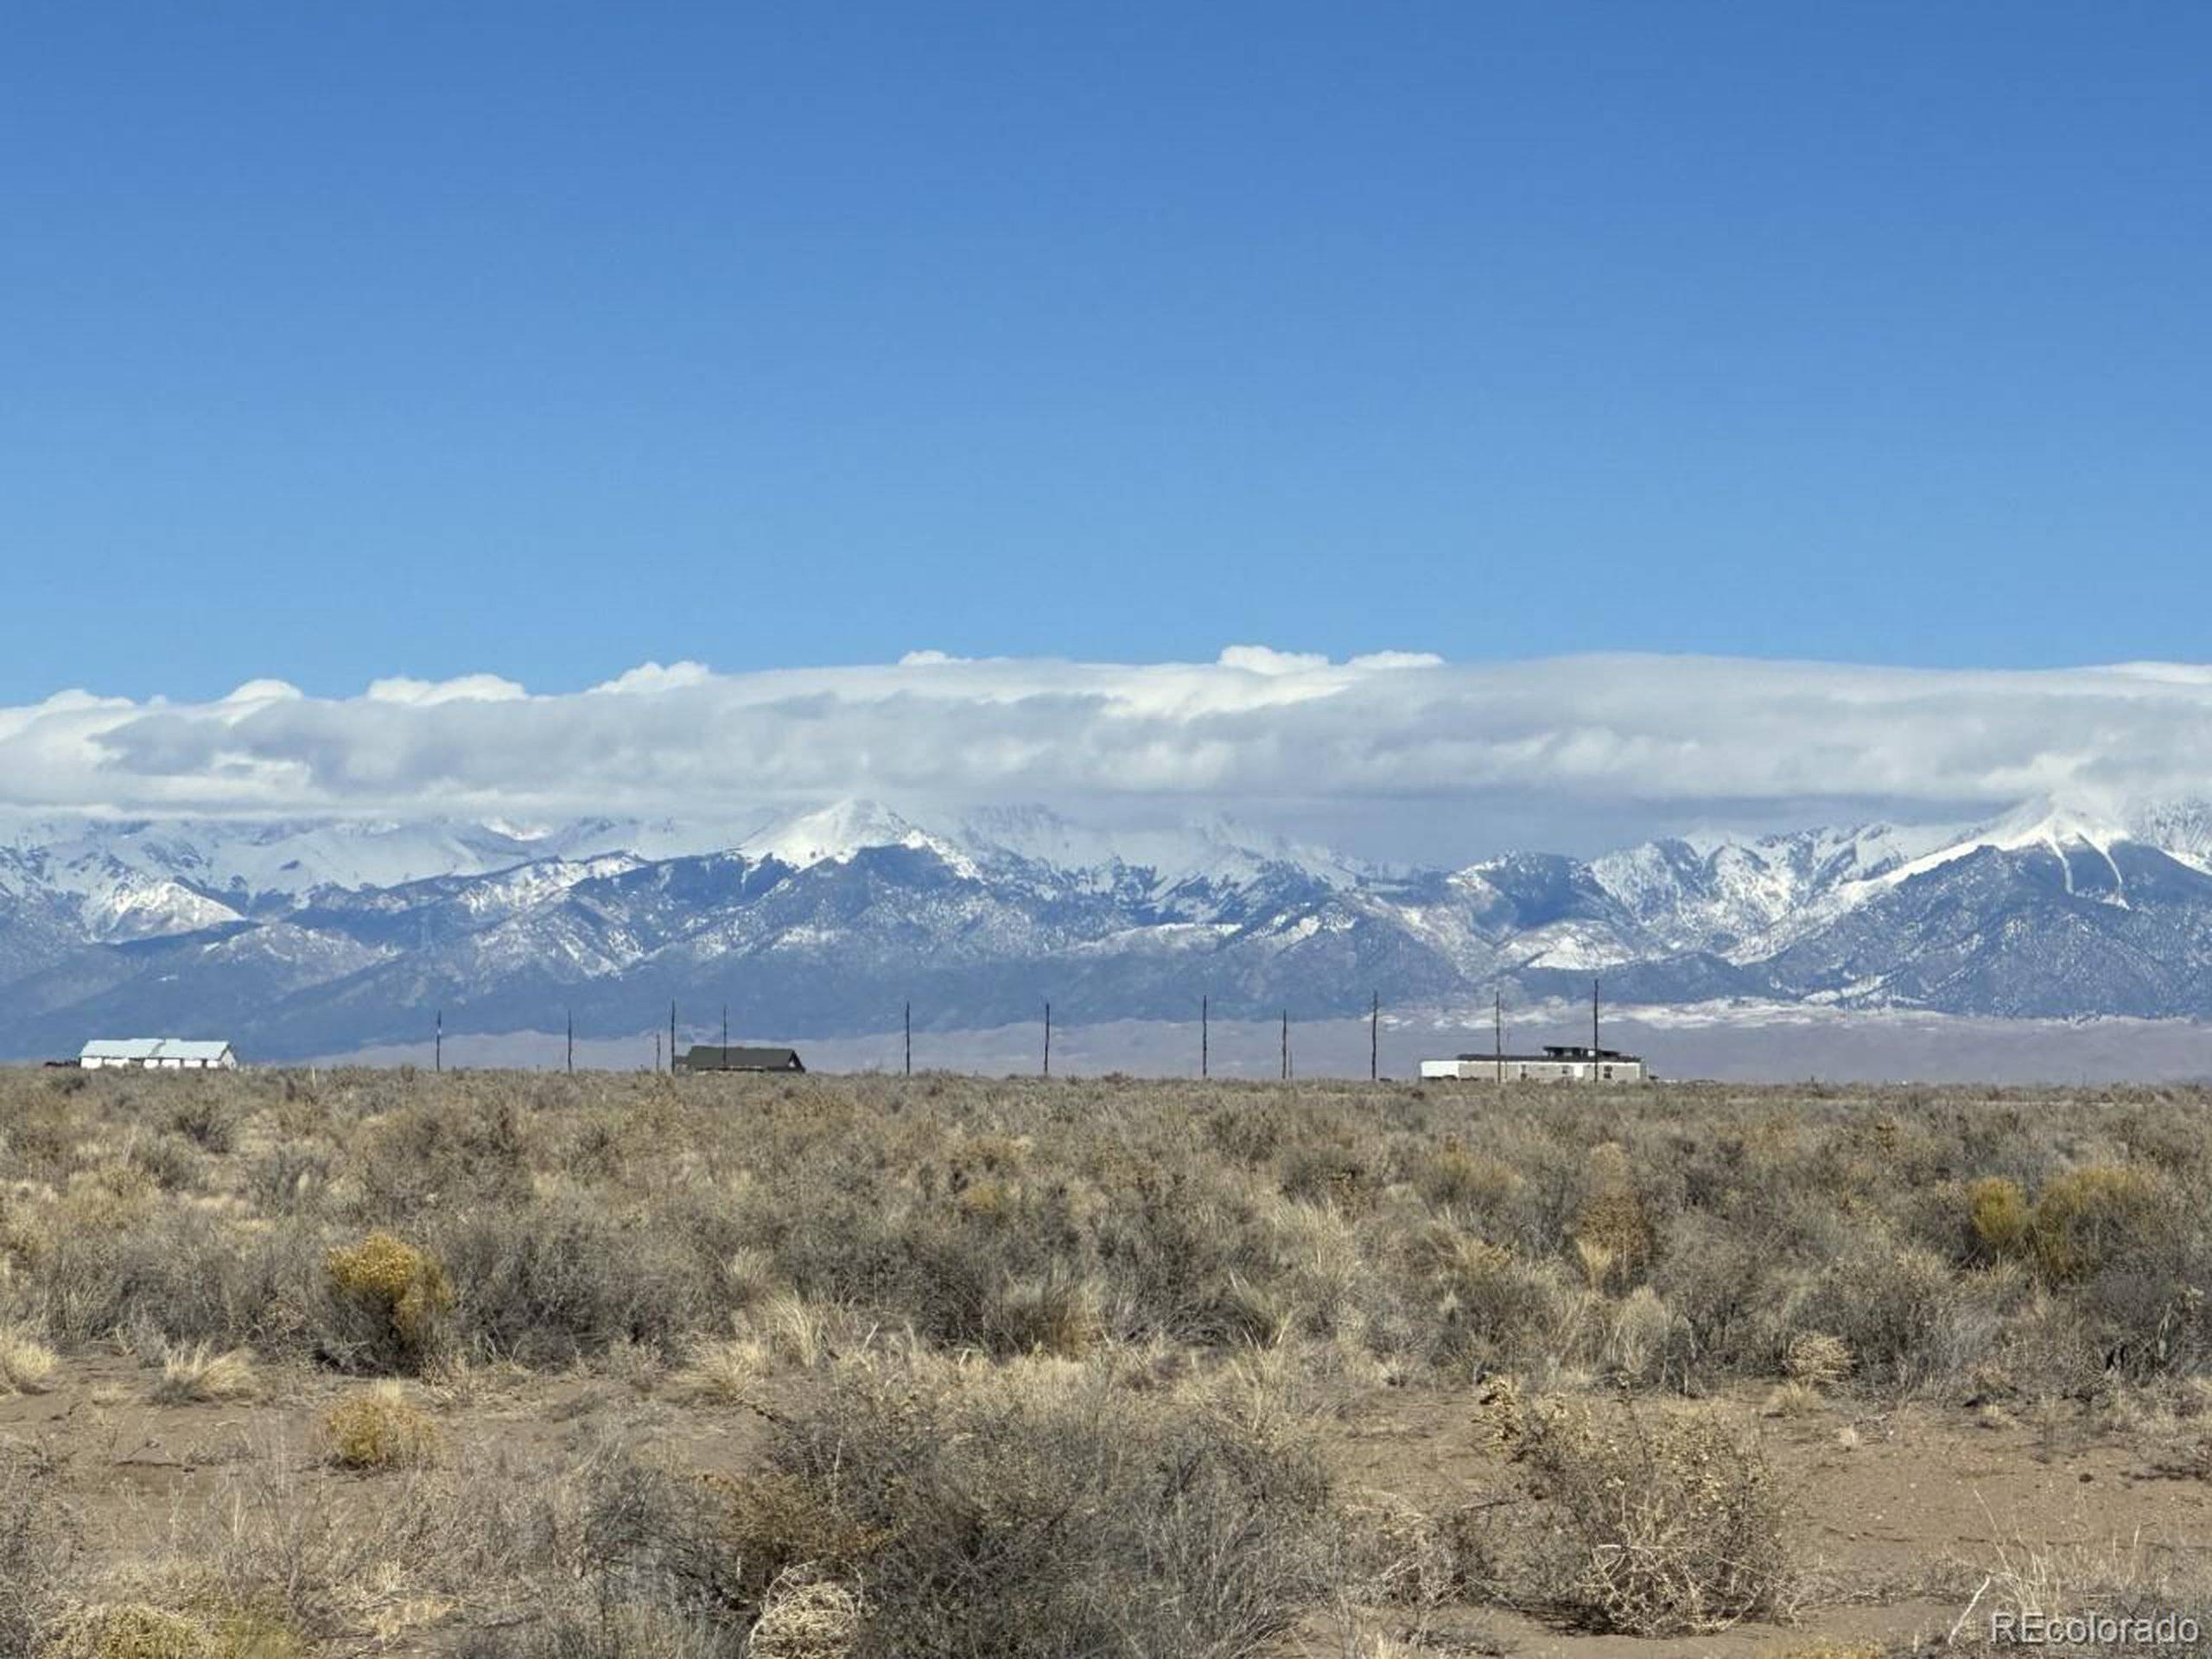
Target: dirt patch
x,y
1899,1513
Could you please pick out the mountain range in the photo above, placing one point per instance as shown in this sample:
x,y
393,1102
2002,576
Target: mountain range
x,y
318,937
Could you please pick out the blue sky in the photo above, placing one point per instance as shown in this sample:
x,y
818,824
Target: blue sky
x,y
544,341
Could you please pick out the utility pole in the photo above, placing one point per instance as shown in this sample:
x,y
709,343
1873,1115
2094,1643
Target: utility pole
x,y
438,1044
1048,1038
1286,1045
571,1013
1593,1031
671,1037
1375,1037
724,1036
909,1018
1498,1031
1204,1038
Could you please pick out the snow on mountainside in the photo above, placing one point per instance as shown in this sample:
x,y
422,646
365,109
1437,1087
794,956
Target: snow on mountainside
x,y
2180,829
1744,899
835,834
135,906
89,857
2040,825
309,937
1184,867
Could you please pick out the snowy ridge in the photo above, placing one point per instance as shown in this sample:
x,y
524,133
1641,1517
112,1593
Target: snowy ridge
x,y
1217,853
135,906
318,936
2181,829
1745,899
835,834
2042,825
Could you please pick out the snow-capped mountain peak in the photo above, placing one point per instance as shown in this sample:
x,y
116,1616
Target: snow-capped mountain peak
x,y
835,834
2046,824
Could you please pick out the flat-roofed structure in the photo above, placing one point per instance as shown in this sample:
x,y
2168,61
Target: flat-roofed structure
x,y
1558,1063
157,1054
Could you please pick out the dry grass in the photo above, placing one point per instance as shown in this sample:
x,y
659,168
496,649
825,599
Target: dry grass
x,y
378,1429
794,1329
130,1631
138,1630
1117,1521
806,1616
197,1373
400,1292
1680,1240
36,1548
726,1372
1816,1360
1794,1400
1660,1525
963,1309
26,1363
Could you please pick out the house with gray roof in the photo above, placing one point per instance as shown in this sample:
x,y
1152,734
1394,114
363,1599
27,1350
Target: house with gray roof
x,y
710,1056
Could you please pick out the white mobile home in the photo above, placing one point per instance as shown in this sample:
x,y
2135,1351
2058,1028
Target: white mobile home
x,y
1558,1063
157,1054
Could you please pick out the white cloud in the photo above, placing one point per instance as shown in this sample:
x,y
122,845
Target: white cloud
x,y
1397,659
649,678
472,687
1380,749
1263,659
254,691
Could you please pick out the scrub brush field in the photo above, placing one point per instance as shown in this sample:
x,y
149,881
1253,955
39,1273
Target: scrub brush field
x,y
532,1366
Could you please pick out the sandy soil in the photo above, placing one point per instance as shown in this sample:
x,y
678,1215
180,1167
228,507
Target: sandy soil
x,y
1901,1513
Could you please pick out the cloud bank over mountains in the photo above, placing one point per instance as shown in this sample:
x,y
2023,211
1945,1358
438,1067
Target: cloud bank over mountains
x,y
1566,750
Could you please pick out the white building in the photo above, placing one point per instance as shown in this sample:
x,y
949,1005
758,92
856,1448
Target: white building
x,y
157,1054
1558,1063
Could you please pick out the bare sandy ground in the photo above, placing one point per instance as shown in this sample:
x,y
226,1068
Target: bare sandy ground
x,y
1900,1513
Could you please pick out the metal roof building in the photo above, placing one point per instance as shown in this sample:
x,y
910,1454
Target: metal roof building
x,y
706,1057
157,1054
1558,1063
